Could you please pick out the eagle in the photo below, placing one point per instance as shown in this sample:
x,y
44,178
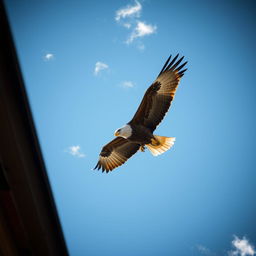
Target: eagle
x,y
138,133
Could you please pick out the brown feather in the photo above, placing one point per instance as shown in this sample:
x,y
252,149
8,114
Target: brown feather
x,y
159,95
116,153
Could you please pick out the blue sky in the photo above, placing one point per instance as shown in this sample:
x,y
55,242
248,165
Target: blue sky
x,y
86,66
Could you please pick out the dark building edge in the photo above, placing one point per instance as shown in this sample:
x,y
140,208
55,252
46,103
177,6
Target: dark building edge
x,y
29,222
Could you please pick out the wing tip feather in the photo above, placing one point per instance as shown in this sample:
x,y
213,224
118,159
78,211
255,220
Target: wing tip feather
x,y
173,64
109,166
181,73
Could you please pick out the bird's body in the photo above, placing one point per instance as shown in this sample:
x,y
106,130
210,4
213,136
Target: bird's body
x,y
138,133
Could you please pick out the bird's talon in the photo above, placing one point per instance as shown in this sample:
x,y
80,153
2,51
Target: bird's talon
x,y
142,148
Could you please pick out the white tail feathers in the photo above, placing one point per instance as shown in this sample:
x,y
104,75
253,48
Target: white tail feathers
x,y
160,144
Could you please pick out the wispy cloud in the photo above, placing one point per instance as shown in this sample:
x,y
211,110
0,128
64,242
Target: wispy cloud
x,y
129,17
127,84
75,151
48,56
127,25
204,250
99,66
141,46
142,29
129,11
242,247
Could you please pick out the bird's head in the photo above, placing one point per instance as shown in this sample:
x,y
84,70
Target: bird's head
x,y
125,131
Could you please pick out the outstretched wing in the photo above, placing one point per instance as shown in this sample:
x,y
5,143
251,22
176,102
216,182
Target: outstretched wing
x,y
160,94
115,153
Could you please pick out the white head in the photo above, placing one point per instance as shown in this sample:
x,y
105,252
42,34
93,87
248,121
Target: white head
x,y
125,131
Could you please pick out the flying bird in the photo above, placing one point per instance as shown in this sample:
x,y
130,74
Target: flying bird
x,y
138,133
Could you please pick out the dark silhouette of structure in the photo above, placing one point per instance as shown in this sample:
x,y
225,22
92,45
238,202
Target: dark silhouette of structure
x,y
29,223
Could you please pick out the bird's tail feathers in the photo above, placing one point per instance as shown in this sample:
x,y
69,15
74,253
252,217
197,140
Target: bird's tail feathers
x,y
160,144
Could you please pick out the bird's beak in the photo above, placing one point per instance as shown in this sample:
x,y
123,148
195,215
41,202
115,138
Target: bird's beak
x,y
117,133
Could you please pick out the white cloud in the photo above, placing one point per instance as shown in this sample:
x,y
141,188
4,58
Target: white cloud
x,y
75,151
128,17
204,250
142,29
129,11
48,56
99,66
141,46
127,25
127,84
242,247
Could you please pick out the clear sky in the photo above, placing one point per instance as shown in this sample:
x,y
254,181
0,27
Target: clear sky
x,y
87,64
